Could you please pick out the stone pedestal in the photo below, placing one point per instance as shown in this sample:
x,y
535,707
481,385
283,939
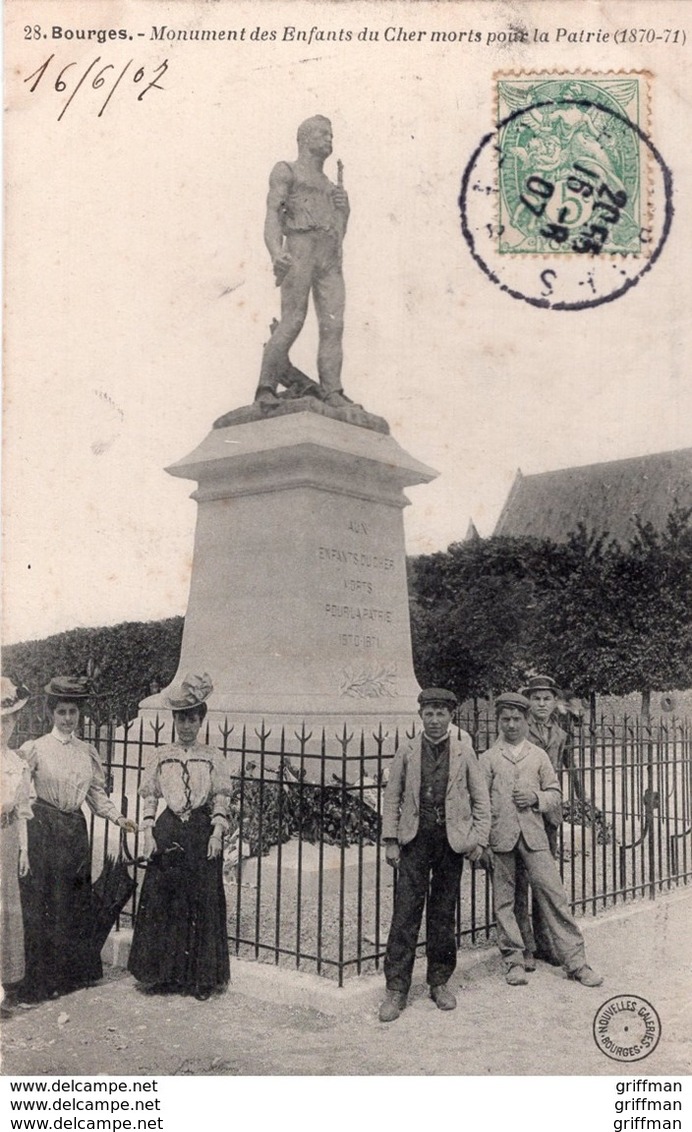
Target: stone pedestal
x,y
298,602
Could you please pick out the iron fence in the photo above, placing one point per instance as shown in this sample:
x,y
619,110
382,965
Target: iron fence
x,y
306,881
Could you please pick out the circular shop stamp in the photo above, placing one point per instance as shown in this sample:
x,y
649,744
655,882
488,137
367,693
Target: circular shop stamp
x,y
567,203
626,1028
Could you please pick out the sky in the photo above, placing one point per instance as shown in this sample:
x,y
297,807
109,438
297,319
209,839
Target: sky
x,y
139,291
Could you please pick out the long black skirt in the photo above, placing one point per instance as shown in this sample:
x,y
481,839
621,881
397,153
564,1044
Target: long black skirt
x,y
181,939
57,906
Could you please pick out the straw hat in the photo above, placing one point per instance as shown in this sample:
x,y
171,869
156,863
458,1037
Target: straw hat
x,y
191,692
69,687
12,698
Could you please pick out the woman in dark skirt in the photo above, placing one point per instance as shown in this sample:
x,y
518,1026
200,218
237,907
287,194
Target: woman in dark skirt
x,y
56,893
180,941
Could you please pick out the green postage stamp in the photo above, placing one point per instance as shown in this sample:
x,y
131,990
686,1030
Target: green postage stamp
x,y
571,166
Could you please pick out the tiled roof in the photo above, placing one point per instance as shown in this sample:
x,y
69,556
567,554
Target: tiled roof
x,y
604,497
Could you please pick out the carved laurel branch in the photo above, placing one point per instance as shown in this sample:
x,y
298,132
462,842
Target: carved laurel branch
x,y
368,684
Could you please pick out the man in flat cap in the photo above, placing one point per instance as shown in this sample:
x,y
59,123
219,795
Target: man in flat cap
x,y
523,788
544,730
546,733
436,812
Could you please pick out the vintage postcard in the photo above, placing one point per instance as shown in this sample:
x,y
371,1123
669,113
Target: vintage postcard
x,y
469,222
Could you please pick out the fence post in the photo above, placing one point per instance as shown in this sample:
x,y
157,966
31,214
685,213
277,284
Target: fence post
x,y
642,770
651,801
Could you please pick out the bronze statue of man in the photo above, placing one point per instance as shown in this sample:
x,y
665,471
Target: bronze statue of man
x,y
303,231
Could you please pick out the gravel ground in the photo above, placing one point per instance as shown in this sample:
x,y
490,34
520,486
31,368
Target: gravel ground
x,y
257,914
545,1028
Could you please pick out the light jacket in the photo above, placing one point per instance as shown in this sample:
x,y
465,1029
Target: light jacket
x,y
467,806
532,771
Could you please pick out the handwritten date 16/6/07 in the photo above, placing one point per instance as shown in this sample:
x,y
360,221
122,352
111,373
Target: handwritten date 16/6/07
x,y
105,77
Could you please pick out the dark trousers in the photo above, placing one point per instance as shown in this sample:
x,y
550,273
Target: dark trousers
x,y
428,868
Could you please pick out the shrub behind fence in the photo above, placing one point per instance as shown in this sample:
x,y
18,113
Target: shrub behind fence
x,y
307,884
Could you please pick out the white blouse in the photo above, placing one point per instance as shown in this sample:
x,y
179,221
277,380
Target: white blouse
x,y
187,778
15,785
68,772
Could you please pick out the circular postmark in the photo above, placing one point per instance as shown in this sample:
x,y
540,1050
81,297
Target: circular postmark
x,y
626,1028
567,204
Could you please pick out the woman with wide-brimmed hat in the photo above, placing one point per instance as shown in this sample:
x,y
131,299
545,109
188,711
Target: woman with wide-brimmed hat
x,y
56,894
14,854
180,941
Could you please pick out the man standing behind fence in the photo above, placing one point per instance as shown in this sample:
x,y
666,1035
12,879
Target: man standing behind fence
x,y
436,812
523,787
546,733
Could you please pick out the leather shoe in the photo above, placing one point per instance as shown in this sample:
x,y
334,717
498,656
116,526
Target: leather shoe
x,y
529,963
394,1003
443,997
586,976
516,976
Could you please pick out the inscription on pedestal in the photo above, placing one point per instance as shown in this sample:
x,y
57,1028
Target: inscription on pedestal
x,y
359,613
356,622
360,570
360,559
298,598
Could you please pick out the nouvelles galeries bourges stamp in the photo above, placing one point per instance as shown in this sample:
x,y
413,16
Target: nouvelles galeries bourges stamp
x,y
567,203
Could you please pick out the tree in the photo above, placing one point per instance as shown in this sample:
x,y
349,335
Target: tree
x,y
472,610
619,619
598,616
129,661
